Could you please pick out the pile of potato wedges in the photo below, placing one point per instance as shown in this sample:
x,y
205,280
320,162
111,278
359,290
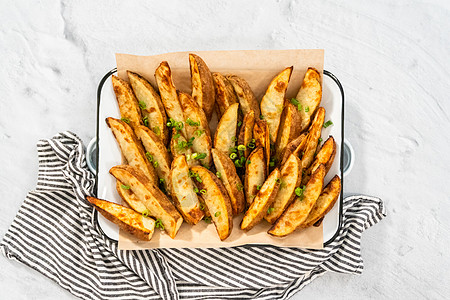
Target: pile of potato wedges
x,y
265,160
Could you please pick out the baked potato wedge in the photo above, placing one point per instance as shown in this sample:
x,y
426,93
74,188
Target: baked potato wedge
x,y
197,128
262,139
262,202
244,93
296,146
179,146
169,96
225,95
255,174
226,172
225,136
273,101
325,156
325,202
216,199
289,129
156,153
296,213
128,104
202,84
313,138
129,197
246,132
291,177
309,97
126,218
184,197
131,148
157,203
153,112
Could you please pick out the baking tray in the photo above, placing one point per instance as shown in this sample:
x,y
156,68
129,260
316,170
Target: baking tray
x,y
333,96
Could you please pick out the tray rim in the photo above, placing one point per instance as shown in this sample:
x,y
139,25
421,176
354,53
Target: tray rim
x,y
341,196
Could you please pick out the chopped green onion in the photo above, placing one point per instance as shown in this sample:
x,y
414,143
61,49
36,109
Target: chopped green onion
x,y
270,210
207,219
199,132
278,181
159,224
218,174
156,130
241,147
192,123
201,155
299,191
203,191
237,163
233,155
239,186
320,140
196,190
149,156
194,155
145,120
299,107
125,187
271,164
202,207
295,101
306,108
239,123
258,187
162,180
218,213
142,105
145,213
155,164
251,145
176,136
233,149
249,161
234,139
125,120
192,174
188,157
327,123
179,126
197,177
261,117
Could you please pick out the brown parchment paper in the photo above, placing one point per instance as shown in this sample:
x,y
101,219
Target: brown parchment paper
x,y
257,67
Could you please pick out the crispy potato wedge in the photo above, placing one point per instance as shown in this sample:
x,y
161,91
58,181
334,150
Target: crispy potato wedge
x,y
156,153
296,213
128,104
289,129
178,147
126,218
168,93
157,203
129,197
291,176
153,111
262,139
295,147
203,206
309,97
225,137
230,179
262,202
216,199
246,131
225,95
131,148
197,127
313,138
273,100
184,197
202,84
323,157
325,202
255,174
245,95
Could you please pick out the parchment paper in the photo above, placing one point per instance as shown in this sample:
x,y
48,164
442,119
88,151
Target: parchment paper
x,y
257,67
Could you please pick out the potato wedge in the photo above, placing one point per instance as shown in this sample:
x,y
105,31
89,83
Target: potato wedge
x,y
156,153
126,218
225,137
245,95
262,139
309,97
324,155
313,138
291,176
157,203
296,213
168,93
255,174
179,146
325,202
246,132
131,148
227,174
197,127
129,197
153,112
289,129
273,100
296,146
262,202
225,95
184,197
216,199
128,104
202,84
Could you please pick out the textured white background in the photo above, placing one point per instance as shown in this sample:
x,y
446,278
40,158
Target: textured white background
x,y
393,58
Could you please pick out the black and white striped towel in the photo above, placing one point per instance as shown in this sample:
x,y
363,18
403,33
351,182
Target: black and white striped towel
x,y
54,233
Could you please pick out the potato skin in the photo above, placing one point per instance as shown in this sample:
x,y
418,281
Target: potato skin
x,y
128,104
289,129
245,95
202,84
255,174
313,138
225,95
309,95
246,131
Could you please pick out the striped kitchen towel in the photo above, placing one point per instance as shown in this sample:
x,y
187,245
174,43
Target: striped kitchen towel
x,y
55,233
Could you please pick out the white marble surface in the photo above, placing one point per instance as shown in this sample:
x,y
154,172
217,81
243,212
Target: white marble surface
x,y
393,58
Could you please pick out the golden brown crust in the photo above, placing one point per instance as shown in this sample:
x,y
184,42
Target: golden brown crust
x,y
309,97
324,156
130,198
313,138
225,136
245,95
225,95
246,131
289,129
128,104
202,84
261,136
255,174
